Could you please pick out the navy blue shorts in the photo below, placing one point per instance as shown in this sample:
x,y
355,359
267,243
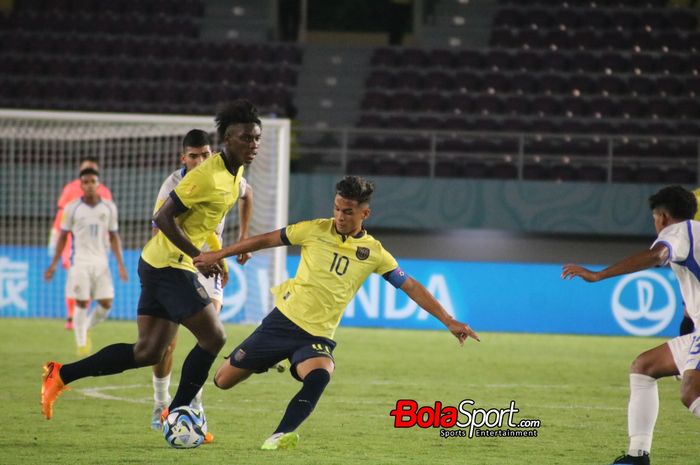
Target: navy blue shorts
x,y
278,338
170,293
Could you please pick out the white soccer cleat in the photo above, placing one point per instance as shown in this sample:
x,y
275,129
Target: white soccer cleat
x,y
156,423
281,441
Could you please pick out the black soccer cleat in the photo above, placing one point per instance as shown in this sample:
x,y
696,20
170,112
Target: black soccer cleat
x,y
629,460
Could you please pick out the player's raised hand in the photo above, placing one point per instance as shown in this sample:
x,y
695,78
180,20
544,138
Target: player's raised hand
x,y
462,331
570,271
244,257
206,259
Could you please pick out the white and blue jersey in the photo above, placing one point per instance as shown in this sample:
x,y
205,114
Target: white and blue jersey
x,y
89,225
683,256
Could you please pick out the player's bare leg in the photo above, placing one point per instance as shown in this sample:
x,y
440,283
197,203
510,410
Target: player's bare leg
x,y
228,376
155,335
690,391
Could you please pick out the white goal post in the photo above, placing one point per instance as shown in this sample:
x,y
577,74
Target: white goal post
x,y
40,152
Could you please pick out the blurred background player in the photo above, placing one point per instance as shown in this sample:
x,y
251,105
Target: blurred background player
x,y
337,256
89,219
196,147
672,209
70,192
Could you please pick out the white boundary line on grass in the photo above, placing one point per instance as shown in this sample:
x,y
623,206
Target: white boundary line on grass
x,y
98,393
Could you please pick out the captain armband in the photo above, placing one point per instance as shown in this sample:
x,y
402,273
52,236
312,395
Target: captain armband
x,y
396,277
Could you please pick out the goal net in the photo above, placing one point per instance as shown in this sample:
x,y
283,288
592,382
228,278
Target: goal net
x,y
40,152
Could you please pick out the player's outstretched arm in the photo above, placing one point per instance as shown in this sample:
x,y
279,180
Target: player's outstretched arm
x,y
245,213
420,295
655,256
60,245
259,242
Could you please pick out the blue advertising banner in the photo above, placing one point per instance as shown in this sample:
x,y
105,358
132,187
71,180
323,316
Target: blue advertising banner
x,y
489,296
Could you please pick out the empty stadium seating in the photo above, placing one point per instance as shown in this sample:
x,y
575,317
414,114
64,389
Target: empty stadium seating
x,y
134,56
555,69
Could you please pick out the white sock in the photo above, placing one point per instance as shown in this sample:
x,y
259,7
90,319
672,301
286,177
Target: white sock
x,y
80,325
197,401
642,411
97,316
160,390
695,407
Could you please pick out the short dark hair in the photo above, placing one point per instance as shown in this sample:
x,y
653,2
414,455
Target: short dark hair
x,y
89,158
89,171
679,202
355,188
239,111
196,138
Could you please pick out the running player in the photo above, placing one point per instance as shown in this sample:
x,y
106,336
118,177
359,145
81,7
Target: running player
x,y
196,147
170,292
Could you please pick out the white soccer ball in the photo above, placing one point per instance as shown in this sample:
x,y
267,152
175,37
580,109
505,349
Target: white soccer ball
x,y
183,428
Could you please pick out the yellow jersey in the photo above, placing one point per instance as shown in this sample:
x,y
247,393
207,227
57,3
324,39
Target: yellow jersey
x,y
697,198
331,270
207,192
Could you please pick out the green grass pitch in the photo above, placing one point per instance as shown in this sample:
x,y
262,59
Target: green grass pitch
x,y
576,386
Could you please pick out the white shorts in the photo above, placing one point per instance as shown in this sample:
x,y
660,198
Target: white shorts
x,y
212,286
686,351
88,281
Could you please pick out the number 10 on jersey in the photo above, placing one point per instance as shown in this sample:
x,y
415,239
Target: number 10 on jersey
x,y
340,264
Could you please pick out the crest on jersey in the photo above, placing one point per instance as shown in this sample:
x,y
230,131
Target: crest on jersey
x,y
239,355
362,253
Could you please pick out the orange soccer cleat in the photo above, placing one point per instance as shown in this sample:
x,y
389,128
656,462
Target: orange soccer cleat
x,y
164,414
208,438
51,387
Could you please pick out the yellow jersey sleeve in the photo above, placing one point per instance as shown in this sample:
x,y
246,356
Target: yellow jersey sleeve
x,y
387,262
301,233
194,188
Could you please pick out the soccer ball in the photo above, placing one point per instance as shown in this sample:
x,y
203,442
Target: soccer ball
x,y
183,428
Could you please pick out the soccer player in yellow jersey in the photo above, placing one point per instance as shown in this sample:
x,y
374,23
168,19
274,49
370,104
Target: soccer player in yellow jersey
x,y
337,256
196,148
170,292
